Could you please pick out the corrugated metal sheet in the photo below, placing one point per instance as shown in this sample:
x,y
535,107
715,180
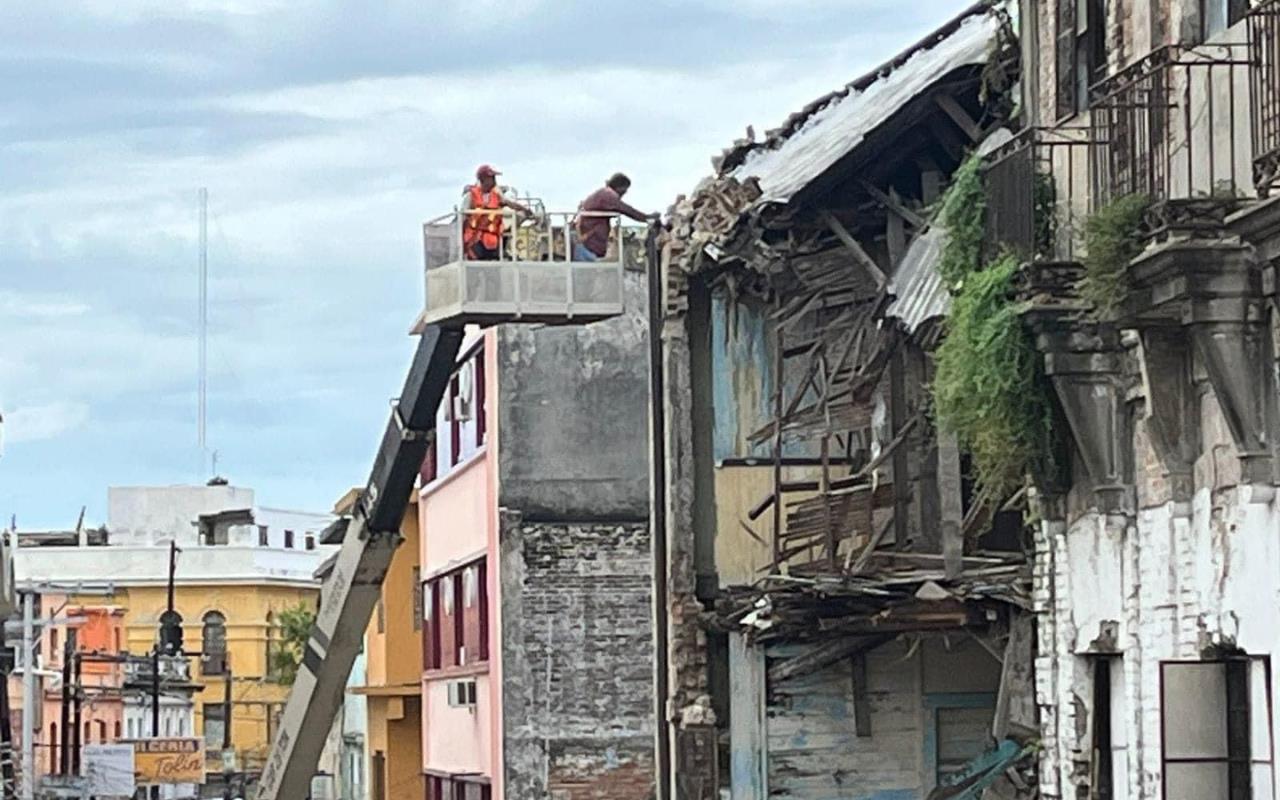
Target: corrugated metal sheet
x,y
919,294
831,133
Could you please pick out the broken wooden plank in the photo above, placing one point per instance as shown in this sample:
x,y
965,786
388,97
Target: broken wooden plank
x,y
861,702
891,203
952,108
859,255
823,655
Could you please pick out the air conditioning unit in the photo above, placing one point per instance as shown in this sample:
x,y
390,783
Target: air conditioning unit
x,y
462,694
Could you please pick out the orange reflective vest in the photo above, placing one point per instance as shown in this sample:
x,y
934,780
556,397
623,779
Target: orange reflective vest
x,y
484,228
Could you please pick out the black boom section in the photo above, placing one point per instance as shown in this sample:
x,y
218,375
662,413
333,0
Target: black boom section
x,y
404,444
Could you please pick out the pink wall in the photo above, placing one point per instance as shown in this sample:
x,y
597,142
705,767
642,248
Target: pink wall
x,y
458,513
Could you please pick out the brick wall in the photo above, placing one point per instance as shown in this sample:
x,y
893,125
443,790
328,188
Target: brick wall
x,y
577,660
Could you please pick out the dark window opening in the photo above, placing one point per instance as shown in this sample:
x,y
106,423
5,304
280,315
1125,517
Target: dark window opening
x,y
311,541
1081,52
459,621
213,644
482,587
1102,744
263,539
288,539
478,409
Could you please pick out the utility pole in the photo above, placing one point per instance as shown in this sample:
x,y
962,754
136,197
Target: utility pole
x,y
77,703
28,697
64,762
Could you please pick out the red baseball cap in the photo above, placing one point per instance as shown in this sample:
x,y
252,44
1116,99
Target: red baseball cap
x,y
485,169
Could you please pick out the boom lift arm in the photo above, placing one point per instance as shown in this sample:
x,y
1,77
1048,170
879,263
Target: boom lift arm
x,y
350,593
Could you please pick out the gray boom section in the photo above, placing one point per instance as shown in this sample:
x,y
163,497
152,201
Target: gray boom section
x,y
351,590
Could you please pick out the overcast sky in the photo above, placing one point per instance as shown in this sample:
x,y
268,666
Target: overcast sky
x,y
325,133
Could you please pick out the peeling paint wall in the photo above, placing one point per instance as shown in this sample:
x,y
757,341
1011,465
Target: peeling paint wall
x,y
1178,576
926,696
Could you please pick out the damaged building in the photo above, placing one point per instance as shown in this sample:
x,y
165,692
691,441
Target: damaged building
x,y
845,619
853,610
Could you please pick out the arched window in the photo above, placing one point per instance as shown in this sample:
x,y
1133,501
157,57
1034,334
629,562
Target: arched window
x,y
53,745
214,644
102,730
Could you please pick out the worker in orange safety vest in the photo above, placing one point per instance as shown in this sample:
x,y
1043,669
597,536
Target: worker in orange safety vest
x,y
482,232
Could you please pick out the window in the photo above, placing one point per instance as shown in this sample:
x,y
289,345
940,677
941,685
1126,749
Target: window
x,y
431,644
1081,52
215,725
1216,718
455,425
102,730
479,401
54,653
131,725
87,730
469,587
214,644
416,578
459,622
484,610
53,743
263,539
288,539
311,540
1218,15
1109,734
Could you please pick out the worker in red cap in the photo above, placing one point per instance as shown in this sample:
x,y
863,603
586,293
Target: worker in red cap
x,y
482,206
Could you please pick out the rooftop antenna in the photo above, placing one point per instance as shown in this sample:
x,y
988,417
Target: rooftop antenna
x,y
204,324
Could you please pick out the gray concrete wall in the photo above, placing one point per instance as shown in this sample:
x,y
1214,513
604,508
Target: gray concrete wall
x,y
576,660
573,416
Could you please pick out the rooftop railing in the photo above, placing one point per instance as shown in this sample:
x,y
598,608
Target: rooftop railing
x,y
1264,53
535,274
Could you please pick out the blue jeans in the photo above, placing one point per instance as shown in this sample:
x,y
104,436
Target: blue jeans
x,y
581,253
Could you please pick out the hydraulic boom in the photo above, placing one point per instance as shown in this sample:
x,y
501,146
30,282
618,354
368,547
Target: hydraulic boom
x,y
349,595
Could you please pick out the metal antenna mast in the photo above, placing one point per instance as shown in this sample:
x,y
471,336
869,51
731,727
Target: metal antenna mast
x,y
204,322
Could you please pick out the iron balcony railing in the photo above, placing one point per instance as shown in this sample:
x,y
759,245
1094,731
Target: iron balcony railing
x,y
1264,53
1175,126
1038,190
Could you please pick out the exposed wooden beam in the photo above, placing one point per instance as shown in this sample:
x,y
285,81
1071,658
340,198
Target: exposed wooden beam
x,y
959,116
859,255
861,702
825,654
893,204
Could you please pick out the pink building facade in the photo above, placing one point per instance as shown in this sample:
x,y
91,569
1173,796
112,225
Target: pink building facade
x,y
536,567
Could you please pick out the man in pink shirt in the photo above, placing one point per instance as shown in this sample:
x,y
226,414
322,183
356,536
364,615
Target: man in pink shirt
x,y
599,207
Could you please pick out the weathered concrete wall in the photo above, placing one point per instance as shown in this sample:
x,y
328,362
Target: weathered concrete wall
x,y
1173,581
577,660
572,407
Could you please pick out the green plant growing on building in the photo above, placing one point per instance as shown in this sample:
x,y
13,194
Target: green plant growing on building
x,y
294,628
1112,238
989,388
963,213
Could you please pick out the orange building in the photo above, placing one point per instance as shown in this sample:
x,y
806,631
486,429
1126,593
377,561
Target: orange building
x,y
95,634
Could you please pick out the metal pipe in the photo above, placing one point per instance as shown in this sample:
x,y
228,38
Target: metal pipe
x,y
658,524
77,699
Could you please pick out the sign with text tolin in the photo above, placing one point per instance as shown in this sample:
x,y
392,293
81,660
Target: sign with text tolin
x,y
169,760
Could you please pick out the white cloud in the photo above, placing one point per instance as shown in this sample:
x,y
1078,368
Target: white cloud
x,y
36,423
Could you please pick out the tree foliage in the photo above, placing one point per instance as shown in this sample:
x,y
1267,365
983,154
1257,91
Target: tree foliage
x,y
293,628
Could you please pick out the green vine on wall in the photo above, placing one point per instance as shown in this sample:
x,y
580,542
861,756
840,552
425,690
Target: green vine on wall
x,y
989,385
1112,238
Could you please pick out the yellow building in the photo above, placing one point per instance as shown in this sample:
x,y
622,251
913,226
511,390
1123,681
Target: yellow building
x,y
236,620
393,652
